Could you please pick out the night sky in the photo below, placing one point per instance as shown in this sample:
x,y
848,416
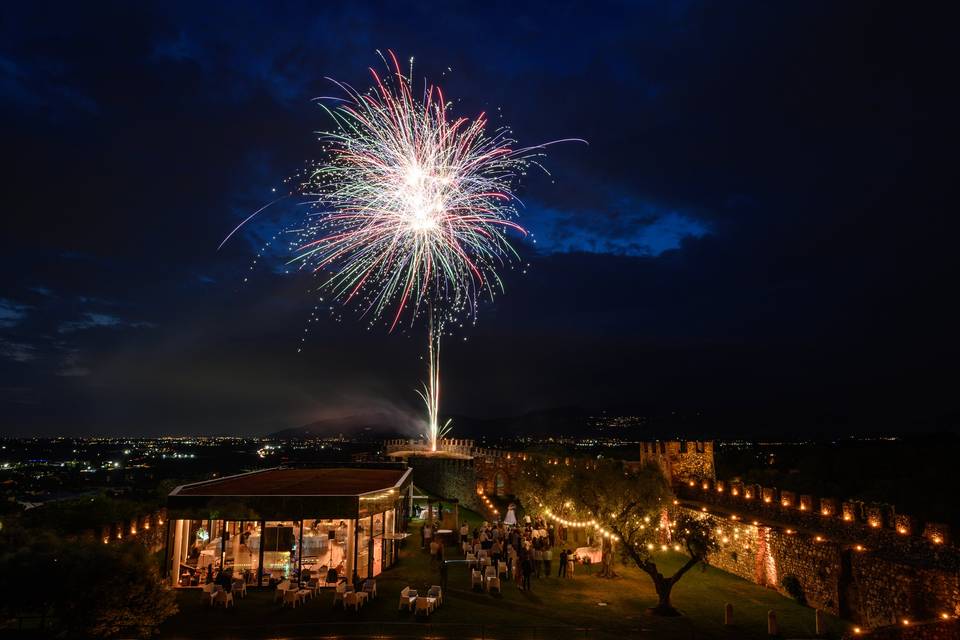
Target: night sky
x,y
763,223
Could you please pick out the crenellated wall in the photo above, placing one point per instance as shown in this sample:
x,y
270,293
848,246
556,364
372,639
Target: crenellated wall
x,y
872,575
680,460
873,525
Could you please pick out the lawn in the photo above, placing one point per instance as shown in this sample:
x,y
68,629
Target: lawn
x,y
553,609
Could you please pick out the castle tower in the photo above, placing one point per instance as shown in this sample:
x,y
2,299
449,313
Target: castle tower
x,y
680,460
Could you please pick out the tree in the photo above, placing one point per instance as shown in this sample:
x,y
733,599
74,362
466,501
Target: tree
x,y
633,507
86,589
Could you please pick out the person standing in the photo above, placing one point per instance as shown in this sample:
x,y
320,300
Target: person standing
x,y
537,559
569,564
518,571
527,570
562,569
547,557
496,551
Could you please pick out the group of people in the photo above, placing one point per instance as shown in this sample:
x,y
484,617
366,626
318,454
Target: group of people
x,y
529,549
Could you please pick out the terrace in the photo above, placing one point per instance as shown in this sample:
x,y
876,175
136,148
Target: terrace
x,y
584,607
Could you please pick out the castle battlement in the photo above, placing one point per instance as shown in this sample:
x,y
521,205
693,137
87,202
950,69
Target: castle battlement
x,y
845,519
680,460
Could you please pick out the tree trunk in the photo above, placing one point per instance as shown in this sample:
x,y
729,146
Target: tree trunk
x,y
606,560
663,587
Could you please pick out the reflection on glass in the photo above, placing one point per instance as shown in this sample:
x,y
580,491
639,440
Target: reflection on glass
x,y
325,548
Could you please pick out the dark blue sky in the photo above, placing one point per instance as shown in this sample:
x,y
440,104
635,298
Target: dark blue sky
x,y
762,225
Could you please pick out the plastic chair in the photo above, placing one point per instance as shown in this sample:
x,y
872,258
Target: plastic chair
x,y
423,606
476,580
291,597
340,592
223,597
407,598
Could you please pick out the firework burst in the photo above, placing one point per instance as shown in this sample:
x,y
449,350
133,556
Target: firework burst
x,y
411,209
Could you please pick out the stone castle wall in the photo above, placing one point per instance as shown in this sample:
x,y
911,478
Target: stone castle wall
x,y
765,555
868,574
447,478
474,469
680,460
886,590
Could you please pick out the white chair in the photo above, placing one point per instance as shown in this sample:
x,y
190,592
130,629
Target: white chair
x,y
493,584
223,597
436,592
501,568
291,597
239,587
352,599
340,592
370,588
466,547
424,606
471,560
281,590
476,580
207,592
408,597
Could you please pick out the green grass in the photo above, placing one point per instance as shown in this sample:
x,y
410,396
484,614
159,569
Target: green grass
x,y
553,609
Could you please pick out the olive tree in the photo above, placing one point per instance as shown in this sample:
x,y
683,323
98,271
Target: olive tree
x,y
632,505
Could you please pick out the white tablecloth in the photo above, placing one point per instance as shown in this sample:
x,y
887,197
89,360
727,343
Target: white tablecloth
x,y
594,553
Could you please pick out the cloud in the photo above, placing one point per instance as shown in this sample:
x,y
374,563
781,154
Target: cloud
x,y
17,351
37,86
71,368
91,320
11,313
625,230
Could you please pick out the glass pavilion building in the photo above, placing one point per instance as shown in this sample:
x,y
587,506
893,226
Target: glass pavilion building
x,y
275,523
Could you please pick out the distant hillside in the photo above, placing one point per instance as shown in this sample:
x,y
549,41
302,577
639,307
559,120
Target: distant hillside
x,y
372,425
560,421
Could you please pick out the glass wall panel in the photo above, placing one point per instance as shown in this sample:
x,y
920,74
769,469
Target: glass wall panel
x,y
196,552
363,544
378,542
280,540
389,526
325,548
242,549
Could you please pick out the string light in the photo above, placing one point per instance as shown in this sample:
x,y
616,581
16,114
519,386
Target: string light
x,y
579,524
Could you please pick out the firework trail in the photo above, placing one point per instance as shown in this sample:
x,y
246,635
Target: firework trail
x,y
411,209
